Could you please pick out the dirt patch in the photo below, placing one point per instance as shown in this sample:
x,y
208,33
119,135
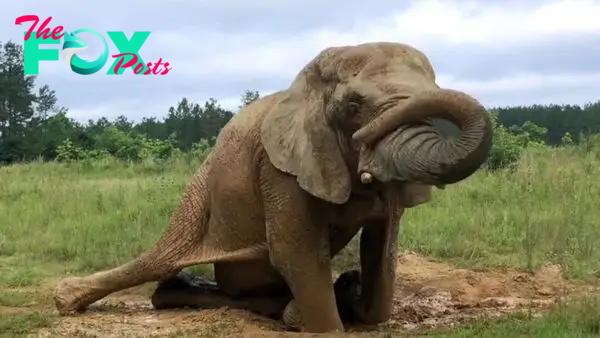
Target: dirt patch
x,y
430,294
10,310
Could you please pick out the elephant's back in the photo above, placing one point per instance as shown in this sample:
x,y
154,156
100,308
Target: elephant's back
x,y
237,220
239,140
242,133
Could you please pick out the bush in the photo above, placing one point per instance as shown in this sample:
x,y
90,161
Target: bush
x,y
117,148
567,139
119,145
508,146
67,152
509,143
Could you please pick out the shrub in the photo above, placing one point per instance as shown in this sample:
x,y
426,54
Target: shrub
x,y
509,143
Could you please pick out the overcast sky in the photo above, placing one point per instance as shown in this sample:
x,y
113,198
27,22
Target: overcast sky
x,y
502,52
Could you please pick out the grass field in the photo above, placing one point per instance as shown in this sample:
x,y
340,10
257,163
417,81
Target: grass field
x,y
58,219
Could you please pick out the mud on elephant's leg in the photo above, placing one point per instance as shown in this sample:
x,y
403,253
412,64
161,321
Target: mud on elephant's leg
x,y
186,290
299,249
347,295
365,297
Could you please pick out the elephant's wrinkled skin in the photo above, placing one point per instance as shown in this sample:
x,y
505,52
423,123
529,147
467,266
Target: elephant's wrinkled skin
x,y
295,175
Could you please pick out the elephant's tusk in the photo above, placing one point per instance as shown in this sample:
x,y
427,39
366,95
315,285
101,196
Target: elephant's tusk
x,y
366,177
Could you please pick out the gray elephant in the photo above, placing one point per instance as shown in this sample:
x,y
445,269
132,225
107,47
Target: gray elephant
x,y
295,175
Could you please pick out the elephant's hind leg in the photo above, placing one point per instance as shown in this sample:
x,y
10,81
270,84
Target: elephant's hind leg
x,y
178,247
185,290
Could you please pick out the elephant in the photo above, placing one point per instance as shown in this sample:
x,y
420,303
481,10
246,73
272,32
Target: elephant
x,y
294,176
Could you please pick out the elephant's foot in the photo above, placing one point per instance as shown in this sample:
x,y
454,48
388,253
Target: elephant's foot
x,y
74,294
347,293
185,290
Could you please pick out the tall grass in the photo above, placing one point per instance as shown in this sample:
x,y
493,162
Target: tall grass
x,y
92,215
85,216
544,210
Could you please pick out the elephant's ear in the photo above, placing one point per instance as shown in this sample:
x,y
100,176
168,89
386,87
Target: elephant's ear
x,y
412,194
299,140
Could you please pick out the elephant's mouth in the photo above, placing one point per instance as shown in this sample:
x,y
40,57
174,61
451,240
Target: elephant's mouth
x,y
436,137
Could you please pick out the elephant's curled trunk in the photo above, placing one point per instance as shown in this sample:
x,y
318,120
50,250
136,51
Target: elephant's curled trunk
x,y
418,152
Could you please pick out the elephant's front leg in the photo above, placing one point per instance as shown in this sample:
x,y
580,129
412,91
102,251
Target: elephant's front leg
x,y
378,251
299,249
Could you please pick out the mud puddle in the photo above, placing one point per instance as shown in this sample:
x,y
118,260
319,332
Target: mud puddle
x,y
430,294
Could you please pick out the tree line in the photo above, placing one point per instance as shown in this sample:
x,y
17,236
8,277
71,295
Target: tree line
x,y
32,126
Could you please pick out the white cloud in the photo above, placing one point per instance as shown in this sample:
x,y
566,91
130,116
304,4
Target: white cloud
x,y
492,24
522,82
425,24
567,16
219,48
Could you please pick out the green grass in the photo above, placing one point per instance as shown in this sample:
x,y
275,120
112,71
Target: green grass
x,y
59,219
580,318
12,298
22,324
546,210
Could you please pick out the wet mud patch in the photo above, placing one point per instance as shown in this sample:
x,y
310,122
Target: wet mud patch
x,y
429,294
432,294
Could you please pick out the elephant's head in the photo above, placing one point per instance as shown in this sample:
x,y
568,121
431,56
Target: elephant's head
x,y
369,111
